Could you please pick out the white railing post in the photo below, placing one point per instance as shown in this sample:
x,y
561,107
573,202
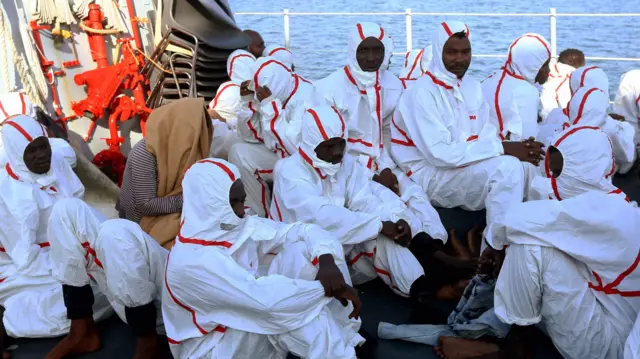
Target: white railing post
x,y
409,30
552,28
287,39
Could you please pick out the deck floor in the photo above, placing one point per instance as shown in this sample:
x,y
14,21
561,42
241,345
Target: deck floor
x,y
379,304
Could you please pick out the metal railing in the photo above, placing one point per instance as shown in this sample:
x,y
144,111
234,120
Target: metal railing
x,y
408,14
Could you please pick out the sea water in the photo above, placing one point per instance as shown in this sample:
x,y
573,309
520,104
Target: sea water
x,y
320,42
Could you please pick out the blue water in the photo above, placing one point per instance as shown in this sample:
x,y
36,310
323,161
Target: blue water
x,y
320,42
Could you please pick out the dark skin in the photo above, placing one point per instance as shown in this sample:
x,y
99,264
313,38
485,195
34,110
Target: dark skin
x,y
329,274
389,180
37,155
528,150
543,73
332,151
370,54
456,55
556,162
256,48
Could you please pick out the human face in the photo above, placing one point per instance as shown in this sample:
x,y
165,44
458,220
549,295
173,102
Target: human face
x,y
237,197
256,48
37,156
370,54
556,162
543,74
331,150
456,55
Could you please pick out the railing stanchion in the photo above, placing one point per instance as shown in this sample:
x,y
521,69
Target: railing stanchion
x,y
552,30
409,30
287,38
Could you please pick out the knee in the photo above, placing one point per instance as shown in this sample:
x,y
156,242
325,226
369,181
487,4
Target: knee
x,y
67,207
509,167
235,156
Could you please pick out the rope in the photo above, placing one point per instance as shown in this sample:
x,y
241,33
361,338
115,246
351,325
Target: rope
x,y
4,64
153,62
99,31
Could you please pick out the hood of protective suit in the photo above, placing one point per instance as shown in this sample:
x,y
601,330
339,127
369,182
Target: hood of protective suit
x,y
587,163
443,32
240,66
389,47
279,53
207,216
15,103
358,34
588,107
17,133
318,125
589,77
558,69
277,77
412,65
427,55
527,55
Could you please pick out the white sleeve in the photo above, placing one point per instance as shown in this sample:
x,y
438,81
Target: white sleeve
x,y
317,240
24,249
627,101
224,293
385,160
434,141
524,122
349,226
64,149
622,139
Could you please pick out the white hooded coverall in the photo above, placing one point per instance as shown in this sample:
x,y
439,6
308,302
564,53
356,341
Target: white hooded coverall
x,y
632,347
339,198
279,130
571,266
442,140
627,102
512,97
367,101
412,67
556,92
30,294
125,262
279,53
216,304
230,105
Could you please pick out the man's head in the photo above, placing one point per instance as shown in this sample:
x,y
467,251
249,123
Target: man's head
x,y
589,77
370,54
529,58
543,73
331,150
256,48
555,161
323,139
572,57
27,146
37,155
456,54
237,197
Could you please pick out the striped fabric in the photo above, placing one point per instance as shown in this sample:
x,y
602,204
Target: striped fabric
x,y
138,194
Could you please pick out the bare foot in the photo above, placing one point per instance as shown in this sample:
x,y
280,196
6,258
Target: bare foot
x,y
474,240
452,291
83,338
148,347
439,352
467,267
460,250
458,348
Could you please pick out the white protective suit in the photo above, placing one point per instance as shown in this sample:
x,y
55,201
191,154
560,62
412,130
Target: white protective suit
x,y
632,346
216,304
230,105
367,101
570,266
556,92
279,53
511,94
340,199
412,67
126,263
627,102
30,294
281,117
442,139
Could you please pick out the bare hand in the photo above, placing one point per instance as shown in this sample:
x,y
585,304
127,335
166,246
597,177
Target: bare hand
x,y
350,295
389,229
389,180
617,117
215,115
263,92
490,262
244,88
526,151
403,237
330,276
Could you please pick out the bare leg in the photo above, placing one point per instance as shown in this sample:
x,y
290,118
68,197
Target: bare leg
x,y
83,338
452,291
458,348
148,347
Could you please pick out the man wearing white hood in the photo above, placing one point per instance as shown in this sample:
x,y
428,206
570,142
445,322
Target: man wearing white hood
x,y
281,54
282,97
366,94
512,97
230,108
627,102
556,92
32,181
570,262
415,63
220,301
442,140
321,184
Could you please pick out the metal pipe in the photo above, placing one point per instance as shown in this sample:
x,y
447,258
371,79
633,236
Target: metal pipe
x,y
134,25
96,41
552,32
409,29
287,38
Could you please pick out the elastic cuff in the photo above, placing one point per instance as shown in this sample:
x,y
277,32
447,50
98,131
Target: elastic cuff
x,y
142,319
78,300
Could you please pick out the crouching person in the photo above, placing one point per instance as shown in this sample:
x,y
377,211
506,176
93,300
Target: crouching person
x,y
216,302
126,264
